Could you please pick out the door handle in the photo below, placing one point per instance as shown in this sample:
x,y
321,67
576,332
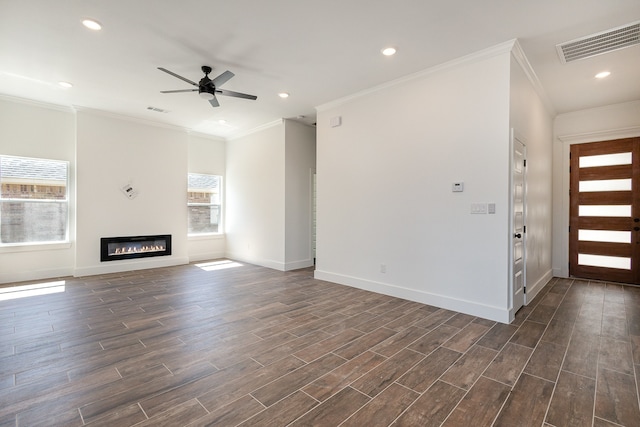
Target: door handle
x,y
636,219
636,228
518,236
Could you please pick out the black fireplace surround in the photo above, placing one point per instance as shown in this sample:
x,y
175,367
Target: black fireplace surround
x,y
128,247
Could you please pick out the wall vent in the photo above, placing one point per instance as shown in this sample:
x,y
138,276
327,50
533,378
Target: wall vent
x,y
157,110
597,44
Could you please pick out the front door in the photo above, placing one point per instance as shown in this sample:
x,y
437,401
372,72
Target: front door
x,y
604,223
518,238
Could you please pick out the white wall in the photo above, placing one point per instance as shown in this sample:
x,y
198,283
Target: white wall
x,y
300,165
31,129
112,152
255,198
598,124
532,122
384,187
207,156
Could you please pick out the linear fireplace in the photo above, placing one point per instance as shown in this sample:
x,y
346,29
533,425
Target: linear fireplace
x,y
118,248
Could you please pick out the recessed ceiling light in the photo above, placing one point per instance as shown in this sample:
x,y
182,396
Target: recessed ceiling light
x,y
388,51
603,74
283,95
65,85
92,24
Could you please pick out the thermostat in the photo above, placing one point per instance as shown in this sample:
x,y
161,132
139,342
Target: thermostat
x,y
457,187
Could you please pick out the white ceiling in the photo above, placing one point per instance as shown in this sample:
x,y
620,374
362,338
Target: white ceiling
x,y
318,51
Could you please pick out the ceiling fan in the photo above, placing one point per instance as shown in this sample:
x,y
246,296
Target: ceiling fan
x,y
208,88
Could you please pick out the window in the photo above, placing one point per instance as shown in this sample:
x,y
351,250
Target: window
x,y
34,201
204,201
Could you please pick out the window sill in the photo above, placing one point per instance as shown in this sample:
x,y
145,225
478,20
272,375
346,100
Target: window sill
x,y
205,236
33,247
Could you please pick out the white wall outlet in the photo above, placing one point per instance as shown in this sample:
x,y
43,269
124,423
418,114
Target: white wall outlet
x,y
383,268
457,187
335,121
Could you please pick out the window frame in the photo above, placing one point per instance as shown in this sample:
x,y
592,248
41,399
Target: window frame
x,y
39,244
212,234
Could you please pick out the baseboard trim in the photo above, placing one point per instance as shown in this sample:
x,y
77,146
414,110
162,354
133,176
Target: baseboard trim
x,y
534,290
122,266
275,265
206,256
33,275
497,314
295,265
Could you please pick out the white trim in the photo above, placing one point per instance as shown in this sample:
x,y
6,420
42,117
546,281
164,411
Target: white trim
x,y
275,265
31,275
126,265
206,256
474,57
33,247
205,135
534,290
35,103
295,265
205,236
497,314
603,135
526,67
513,136
133,119
256,129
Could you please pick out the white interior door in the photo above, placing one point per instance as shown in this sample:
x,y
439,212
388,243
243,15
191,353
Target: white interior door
x,y
518,195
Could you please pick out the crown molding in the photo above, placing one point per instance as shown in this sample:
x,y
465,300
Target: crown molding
x,y
471,58
602,135
35,103
132,119
525,65
256,129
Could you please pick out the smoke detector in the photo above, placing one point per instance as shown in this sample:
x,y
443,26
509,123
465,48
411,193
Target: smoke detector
x,y
600,43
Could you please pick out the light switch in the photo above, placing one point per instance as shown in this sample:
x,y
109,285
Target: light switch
x,y
492,208
478,208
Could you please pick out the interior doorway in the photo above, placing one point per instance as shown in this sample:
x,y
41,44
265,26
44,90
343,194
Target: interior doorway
x,y
604,211
518,203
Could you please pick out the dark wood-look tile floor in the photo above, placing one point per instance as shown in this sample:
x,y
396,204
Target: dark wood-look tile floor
x,y
249,346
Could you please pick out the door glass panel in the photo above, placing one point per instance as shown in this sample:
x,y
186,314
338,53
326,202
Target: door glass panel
x,y
605,261
605,185
605,160
605,236
605,210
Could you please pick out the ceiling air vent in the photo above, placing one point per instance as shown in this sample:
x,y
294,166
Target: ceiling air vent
x,y
157,110
597,44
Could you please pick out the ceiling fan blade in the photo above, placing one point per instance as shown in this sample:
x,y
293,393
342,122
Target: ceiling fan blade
x,y
214,102
235,94
179,90
222,78
178,76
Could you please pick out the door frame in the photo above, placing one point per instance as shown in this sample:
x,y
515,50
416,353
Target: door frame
x,y
514,135
562,229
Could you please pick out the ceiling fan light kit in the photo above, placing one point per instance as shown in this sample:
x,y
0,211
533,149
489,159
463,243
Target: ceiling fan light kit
x,y
208,88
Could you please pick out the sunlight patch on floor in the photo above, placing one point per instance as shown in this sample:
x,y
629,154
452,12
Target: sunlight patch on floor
x,y
23,291
218,265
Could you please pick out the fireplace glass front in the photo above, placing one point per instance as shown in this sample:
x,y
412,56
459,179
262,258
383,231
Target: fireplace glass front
x,y
118,248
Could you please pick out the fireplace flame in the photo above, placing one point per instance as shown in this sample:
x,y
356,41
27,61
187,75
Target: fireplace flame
x,y
137,250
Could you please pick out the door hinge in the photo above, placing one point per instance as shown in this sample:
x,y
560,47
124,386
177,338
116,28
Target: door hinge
x,y
524,163
524,229
569,229
524,290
